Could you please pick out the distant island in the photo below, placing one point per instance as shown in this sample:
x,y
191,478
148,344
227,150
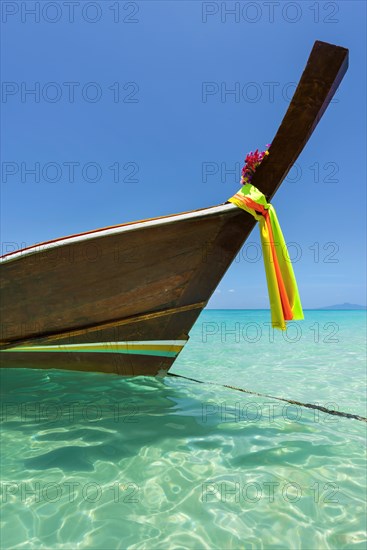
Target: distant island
x,y
346,305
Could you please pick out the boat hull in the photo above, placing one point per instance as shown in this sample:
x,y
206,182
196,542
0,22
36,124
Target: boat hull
x,y
119,300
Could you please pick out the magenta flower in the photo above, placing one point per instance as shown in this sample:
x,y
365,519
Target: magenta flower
x,y
252,161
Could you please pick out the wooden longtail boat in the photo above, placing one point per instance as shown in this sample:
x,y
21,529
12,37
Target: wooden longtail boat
x,y
123,299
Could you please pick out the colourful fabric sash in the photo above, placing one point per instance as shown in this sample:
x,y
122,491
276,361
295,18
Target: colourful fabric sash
x,y
285,303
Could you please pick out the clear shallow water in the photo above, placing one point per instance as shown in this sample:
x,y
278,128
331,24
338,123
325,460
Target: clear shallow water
x,y
97,461
321,359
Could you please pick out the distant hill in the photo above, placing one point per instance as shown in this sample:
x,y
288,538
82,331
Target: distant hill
x,y
346,305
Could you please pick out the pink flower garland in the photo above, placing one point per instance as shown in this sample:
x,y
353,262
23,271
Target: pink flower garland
x,y
252,161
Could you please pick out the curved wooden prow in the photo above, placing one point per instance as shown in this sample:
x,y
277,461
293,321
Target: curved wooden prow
x,y
323,73
148,281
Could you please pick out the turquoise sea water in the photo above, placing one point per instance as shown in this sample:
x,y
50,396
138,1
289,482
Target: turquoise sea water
x,y
102,462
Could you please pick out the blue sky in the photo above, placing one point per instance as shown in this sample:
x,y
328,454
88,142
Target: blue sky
x,y
118,127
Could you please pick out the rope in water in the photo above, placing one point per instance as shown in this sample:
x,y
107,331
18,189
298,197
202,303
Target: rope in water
x,y
291,401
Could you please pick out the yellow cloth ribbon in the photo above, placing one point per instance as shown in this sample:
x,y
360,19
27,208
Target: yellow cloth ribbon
x,y
285,303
